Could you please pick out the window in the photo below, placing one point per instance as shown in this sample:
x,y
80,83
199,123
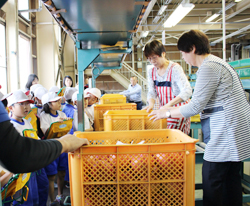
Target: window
x,y
3,65
24,60
24,5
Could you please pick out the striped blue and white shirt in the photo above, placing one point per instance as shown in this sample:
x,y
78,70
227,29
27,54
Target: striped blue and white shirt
x,y
133,92
217,85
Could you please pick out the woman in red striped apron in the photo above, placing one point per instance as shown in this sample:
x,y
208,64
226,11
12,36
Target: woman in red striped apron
x,y
168,83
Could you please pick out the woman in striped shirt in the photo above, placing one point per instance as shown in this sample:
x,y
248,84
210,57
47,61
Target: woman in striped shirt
x,y
167,82
220,99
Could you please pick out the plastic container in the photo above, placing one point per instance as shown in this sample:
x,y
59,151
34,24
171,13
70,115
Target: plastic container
x,y
159,172
100,109
131,120
113,99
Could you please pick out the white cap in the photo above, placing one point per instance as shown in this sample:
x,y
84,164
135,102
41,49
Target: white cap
x,y
39,92
96,92
69,91
34,87
74,96
6,96
50,97
18,96
54,89
1,95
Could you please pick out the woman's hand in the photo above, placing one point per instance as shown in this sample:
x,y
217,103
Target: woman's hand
x,y
70,143
148,108
158,114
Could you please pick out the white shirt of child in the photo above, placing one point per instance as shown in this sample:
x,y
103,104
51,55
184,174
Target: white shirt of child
x,y
90,113
20,126
87,124
46,119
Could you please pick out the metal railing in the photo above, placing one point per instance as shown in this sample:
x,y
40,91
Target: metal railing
x,y
127,72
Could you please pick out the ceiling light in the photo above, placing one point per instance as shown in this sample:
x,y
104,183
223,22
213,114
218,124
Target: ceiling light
x,y
211,18
156,19
237,0
144,33
162,9
179,13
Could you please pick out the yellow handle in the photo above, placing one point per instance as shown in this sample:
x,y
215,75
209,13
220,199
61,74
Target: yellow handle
x,y
27,193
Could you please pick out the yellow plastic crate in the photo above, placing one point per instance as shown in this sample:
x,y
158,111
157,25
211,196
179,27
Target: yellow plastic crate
x,y
195,118
131,120
113,99
159,172
100,109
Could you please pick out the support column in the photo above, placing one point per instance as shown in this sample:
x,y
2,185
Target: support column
x,y
12,44
84,59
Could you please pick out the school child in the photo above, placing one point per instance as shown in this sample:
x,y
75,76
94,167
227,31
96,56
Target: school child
x,y
51,113
87,122
41,176
38,93
18,104
69,108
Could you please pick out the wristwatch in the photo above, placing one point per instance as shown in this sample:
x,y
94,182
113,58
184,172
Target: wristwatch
x,y
168,114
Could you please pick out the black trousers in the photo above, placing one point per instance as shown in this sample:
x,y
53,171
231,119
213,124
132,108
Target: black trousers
x,y
138,104
221,184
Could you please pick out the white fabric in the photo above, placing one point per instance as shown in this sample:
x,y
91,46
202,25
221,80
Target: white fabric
x,y
90,113
46,120
18,96
20,127
180,85
87,124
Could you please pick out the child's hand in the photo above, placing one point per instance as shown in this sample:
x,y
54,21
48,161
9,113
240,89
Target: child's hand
x,y
68,118
59,119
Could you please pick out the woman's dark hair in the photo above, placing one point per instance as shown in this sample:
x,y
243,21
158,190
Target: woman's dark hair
x,y
31,78
64,79
194,38
46,108
154,47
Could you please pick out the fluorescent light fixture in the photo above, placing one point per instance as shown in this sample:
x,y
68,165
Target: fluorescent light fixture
x,y
237,0
144,33
156,19
179,13
211,18
162,9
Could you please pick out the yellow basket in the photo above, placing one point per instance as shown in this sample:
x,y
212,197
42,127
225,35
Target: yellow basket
x,y
131,120
100,109
113,99
31,117
195,118
58,129
159,172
